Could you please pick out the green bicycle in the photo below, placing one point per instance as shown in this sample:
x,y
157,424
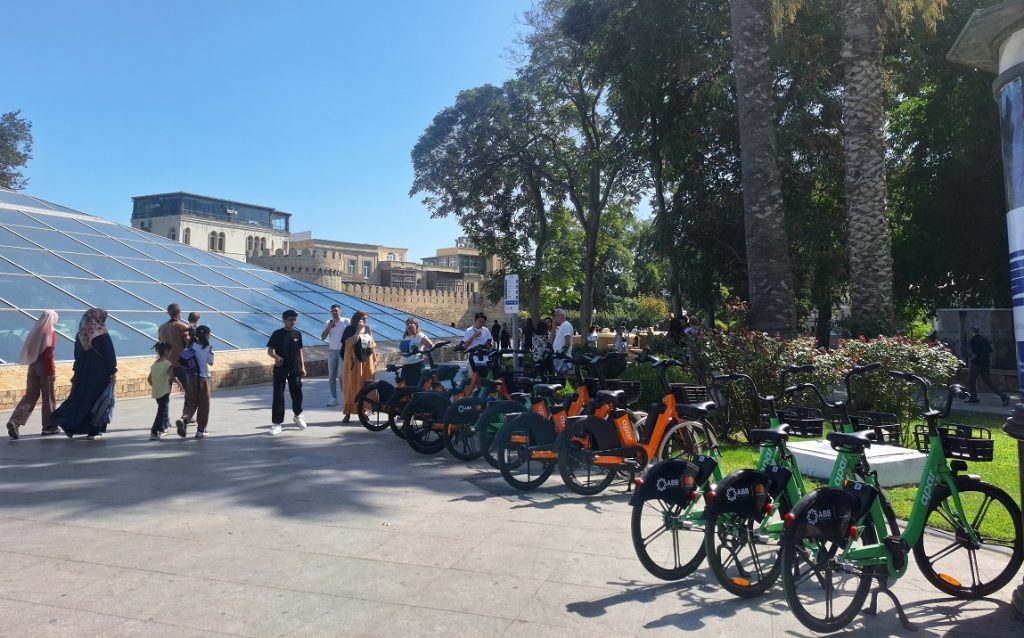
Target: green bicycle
x,y
841,538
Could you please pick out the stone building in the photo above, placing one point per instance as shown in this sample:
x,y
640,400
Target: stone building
x,y
223,226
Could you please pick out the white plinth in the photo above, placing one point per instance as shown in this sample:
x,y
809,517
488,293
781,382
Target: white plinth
x,y
895,465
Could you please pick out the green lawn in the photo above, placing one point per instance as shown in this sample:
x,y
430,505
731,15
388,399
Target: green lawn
x,y
1001,471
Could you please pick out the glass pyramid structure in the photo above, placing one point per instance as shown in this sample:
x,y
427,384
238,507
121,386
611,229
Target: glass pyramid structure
x,y
56,258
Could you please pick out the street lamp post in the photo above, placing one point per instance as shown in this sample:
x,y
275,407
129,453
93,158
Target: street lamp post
x,y
993,40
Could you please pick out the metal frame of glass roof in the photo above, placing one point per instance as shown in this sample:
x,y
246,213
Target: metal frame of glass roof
x,y
56,258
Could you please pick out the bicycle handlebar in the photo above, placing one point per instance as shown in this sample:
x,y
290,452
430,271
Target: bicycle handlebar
x,y
955,390
800,387
854,371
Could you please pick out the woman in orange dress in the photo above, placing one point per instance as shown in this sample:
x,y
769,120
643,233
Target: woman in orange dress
x,y
360,360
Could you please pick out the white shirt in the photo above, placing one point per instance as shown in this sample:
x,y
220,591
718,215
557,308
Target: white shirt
x,y
407,343
485,336
620,343
334,334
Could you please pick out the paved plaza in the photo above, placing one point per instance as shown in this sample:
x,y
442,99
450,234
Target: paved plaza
x,y
338,531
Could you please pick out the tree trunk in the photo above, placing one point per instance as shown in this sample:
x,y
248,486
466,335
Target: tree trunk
x,y
537,196
589,267
822,299
772,306
864,155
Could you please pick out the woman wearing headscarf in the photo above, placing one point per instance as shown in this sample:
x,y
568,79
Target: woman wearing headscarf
x,y
37,354
360,359
94,371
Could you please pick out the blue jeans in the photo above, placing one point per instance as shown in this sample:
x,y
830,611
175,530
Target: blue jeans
x,y
334,371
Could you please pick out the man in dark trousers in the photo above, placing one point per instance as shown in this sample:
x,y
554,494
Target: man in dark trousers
x,y
285,348
981,351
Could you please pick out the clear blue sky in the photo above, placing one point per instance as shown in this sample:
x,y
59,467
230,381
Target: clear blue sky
x,y
309,107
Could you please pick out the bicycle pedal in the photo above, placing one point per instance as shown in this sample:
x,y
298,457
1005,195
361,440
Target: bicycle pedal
x,y
899,549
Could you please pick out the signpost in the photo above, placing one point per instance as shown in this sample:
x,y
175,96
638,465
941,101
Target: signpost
x,y
512,308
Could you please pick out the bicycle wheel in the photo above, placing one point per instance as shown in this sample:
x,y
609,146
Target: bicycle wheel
x,y
948,557
579,474
745,561
668,543
421,435
824,591
372,414
684,440
462,441
514,459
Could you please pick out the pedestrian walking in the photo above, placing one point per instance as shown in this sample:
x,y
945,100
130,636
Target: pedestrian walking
x,y
285,348
620,339
562,341
506,337
333,329
528,330
978,366
161,376
37,354
95,372
360,361
202,352
175,333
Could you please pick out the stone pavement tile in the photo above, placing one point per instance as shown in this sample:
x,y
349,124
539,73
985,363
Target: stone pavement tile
x,y
582,608
520,628
554,537
146,629
600,571
231,608
476,593
356,618
415,548
378,580
490,557
18,619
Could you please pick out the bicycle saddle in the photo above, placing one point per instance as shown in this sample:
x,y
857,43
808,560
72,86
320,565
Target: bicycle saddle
x,y
696,411
776,436
609,396
854,441
491,383
547,389
519,396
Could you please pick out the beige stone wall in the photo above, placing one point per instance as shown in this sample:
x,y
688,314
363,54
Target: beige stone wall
x,y
200,228
317,266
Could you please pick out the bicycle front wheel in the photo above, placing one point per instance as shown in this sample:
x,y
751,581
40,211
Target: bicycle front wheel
x,y
824,590
373,415
745,560
948,556
684,440
668,542
462,441
515,461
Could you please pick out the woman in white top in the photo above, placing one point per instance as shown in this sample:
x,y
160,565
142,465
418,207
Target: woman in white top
x,y
592,337
412,338
620,339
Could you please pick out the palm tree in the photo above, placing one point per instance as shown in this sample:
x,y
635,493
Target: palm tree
x,y
772,306
869,242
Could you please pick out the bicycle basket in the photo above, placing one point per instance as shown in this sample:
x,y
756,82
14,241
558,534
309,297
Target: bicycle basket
x,y
687,393
447,371
967,442
632,389
885,425
803,422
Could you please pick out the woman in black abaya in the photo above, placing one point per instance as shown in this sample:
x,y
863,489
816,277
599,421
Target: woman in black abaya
x,y
94,371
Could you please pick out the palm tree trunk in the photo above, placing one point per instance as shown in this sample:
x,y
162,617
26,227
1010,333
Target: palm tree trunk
x,y
864,155
772,306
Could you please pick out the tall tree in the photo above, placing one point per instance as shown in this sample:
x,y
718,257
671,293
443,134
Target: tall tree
x,y
772,305
590,158
15,149
480,161
869,242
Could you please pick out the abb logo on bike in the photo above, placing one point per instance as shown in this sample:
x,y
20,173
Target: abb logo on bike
x,y
732,493
813,516
663,484
468,408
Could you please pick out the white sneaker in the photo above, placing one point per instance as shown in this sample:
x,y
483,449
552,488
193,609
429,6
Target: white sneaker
x,y
299,421
275,429
332,403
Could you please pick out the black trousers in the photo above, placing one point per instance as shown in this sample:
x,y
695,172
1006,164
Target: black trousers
x,y
162,421
294,381
973,372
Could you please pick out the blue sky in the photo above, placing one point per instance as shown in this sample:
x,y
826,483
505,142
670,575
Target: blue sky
x,y
309,107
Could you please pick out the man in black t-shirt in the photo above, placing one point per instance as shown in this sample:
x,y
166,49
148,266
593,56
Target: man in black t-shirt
x,y
981,350
285,348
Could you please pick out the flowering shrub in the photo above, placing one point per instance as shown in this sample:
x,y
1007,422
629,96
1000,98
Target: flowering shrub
x,y
763,357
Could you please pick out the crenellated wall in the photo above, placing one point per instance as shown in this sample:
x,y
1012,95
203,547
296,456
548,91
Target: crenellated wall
x,y
319,267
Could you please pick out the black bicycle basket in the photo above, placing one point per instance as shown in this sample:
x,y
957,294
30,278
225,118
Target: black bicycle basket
x,y
959,441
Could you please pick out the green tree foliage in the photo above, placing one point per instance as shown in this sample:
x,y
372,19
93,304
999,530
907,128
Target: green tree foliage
x,y
15,149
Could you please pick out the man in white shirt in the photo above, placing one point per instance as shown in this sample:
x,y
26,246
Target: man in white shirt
x,y
562,343
477,335
333,328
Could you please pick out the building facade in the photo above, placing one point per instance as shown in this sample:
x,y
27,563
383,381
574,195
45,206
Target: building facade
x,y
321,260
223,226
465,259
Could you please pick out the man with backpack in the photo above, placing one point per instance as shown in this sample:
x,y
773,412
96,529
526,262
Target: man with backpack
x,y
175,332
